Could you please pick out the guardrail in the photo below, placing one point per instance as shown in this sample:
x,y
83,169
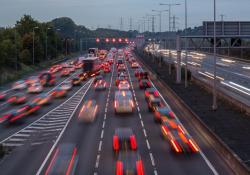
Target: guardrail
x,y
226,154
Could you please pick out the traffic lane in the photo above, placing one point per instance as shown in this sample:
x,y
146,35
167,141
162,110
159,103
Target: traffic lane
x,y
177,163
107,158
6,131
85,136
28,164
209,153
5,106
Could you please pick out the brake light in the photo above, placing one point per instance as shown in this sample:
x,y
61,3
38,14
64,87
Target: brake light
x,y
17,117
119,168
22,109
176,146
5,117
52,162
146,93
68,172
164,130
139,168
116,143
193,146
180,128
115,104
133,142
156,93
132,103
171,114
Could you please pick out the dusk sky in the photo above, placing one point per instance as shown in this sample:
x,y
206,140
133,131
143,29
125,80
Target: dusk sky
x,y
101,13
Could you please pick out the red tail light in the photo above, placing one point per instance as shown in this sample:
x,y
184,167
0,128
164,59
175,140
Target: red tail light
x,y
68,172
5,117
139,168
119,168
193,146
133,142
116,143
132,103
156,93
17,117
171,114
52,162
164,130
115,104
146,93
11,99
176,146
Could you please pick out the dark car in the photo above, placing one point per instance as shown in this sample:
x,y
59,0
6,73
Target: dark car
x,y
144,84
129,162
154,103
124,138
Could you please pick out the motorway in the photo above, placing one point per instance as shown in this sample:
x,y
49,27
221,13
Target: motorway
x,y
233,75
36,140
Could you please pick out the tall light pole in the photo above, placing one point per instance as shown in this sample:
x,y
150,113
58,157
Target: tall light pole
x,y
214,107
46,43
56,41
186,44
169,12
33,60
160,13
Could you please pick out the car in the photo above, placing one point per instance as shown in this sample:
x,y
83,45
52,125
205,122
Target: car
x,y
19,85
18,98
31,108
144,84
71,69
123,102
13,116
35,88
64,160
119,61
76,81
124,139
66,85
129,162
138,71
120,79
97,78
135,65
100,85
143,75
58,92
121,68
154,103
55,68
3,96
32,80
78,65
42,99
151,91
163,113
65,72
106,69
88,111
110,61
83,76
124,85
47,79
180,141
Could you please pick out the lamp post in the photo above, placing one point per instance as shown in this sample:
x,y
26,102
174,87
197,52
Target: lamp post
x,y
160,13
214,107
46,43
33,60
186,44
56,41
169,12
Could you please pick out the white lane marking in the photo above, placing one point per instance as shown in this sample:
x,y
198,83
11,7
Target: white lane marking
x,y
152,159
100,146
12,144
148,145
200,152
142,124
21,135
16,140
103,125
97,161
63,130
138,108
145,133
102,133
155,172
140,115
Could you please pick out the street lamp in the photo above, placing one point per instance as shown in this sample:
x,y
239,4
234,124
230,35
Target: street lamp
x,y
186,44
56,40
214,107
160,13
33,60
46,43
169,12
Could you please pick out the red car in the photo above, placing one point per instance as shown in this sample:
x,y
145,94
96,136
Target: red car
x,y
151,91
18,98
144,84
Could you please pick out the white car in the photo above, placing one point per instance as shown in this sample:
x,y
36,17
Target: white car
x,y
35,88
123,102
135,65
19,85
88,111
